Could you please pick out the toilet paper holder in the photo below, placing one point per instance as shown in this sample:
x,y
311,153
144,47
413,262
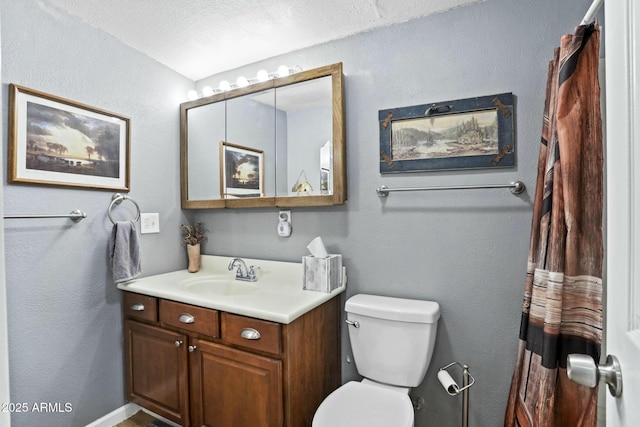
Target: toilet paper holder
x,y
449,383
453,389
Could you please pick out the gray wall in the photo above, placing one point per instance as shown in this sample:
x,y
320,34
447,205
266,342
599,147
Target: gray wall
x,y
467,249
64,318
5,417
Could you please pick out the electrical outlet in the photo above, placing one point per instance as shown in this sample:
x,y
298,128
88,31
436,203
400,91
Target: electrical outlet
x,y
150,223
284,216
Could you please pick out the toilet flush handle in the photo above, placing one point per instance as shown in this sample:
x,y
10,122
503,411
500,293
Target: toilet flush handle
x,y
353,322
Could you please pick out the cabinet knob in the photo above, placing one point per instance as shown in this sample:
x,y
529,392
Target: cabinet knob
x,y
191,348
186,318
178,343
250,334
137,306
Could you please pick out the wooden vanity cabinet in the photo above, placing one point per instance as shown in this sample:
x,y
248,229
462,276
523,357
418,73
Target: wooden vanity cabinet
x,y
157,370
231,387
231,370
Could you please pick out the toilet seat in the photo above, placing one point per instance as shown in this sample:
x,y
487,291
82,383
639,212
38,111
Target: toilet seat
x,y
358,404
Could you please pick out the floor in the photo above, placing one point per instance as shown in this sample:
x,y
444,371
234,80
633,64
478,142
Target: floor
x,y
142,419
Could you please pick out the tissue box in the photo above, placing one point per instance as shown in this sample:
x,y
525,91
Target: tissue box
x,y
322,274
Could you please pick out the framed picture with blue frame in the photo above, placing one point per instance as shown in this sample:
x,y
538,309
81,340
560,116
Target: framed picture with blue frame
x,y
472,133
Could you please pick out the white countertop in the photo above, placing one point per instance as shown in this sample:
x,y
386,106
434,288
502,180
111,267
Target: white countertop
x,y
277,295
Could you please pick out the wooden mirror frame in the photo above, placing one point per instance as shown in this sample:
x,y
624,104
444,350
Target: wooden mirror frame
x,y
339,165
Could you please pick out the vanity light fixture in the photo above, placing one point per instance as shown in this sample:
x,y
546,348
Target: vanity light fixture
x,y
283,71
242,81
263,76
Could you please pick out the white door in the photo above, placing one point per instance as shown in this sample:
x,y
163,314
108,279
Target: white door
x,y
622,43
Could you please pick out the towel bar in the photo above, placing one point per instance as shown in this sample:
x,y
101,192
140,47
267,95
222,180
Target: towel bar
x,y
75,215
516,187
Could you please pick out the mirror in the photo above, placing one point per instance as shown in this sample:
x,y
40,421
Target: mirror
x,y
276,143
248,153
304,115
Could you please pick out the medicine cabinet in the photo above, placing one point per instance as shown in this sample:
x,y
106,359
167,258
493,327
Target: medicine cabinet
x,y
275,143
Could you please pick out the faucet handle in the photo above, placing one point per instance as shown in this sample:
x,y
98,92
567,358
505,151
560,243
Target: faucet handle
x,y
239,271
252,272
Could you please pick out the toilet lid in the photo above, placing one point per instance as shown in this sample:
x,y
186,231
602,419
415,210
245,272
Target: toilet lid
x,y
362,405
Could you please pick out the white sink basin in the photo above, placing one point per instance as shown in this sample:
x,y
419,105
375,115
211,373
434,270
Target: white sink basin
x,y
277,295
218,286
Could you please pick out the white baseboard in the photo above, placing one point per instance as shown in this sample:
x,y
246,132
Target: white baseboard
x,y
122,413
114,417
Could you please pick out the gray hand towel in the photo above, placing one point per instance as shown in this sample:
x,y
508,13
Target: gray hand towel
x,y
124,251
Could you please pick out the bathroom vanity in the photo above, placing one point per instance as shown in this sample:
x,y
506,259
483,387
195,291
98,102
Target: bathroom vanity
x,y
203,349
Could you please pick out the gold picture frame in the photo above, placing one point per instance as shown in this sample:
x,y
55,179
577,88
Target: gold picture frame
x,y
58,142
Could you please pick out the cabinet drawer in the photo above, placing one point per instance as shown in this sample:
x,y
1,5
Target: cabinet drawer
x,y
140,306
190,318
251,333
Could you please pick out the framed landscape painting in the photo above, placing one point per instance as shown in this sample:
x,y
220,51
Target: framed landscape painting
x,y
55,141
241,170
473,133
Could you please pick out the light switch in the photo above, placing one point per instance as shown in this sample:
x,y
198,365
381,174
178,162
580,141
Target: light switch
x,y
149,223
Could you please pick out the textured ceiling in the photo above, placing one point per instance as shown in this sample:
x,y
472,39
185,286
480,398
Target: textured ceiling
x,y
198,38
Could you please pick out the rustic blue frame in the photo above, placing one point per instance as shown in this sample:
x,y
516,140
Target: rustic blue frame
x,y
502,103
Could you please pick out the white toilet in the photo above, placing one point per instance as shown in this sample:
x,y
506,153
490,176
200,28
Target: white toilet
x,y
392,341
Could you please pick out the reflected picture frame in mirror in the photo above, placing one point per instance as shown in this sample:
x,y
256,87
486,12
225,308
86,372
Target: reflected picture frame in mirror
x,y
241,171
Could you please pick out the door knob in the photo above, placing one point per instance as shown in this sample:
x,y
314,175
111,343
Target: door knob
x,y
582,369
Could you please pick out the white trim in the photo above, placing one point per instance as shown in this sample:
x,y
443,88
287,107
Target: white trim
x,y
124,412
114,417
622,19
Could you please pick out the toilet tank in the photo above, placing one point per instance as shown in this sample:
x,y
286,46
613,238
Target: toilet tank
x,y
394,338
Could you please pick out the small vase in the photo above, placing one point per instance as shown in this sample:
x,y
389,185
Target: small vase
x,y
193,251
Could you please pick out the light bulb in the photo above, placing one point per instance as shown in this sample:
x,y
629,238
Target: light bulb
x,y
192,95
207,91
263,76
225,85
242,81
283,71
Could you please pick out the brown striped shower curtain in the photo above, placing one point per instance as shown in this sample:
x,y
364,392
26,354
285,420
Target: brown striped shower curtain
x,y
562,309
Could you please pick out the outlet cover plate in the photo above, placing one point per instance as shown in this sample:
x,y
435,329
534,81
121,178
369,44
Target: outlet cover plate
x,y
149,223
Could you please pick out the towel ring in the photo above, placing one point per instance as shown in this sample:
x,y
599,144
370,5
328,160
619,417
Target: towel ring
x,y
116,199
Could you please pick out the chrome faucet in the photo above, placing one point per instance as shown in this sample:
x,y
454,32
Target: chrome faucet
x,y
242,272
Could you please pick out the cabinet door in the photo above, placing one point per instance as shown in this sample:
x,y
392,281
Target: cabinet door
x,y
235,388
157,370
